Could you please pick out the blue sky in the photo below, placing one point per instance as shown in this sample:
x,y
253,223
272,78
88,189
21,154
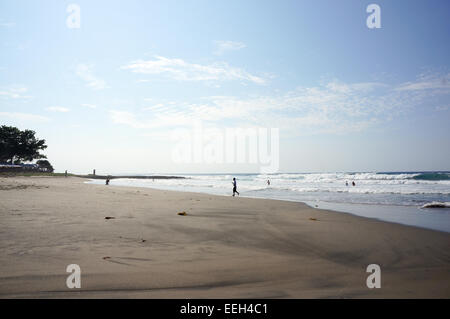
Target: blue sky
x,y
345,97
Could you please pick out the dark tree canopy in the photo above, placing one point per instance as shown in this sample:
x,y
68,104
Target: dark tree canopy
x,y
17,146
44,164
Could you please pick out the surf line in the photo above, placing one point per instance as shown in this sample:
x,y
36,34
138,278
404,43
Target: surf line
x,y
192,309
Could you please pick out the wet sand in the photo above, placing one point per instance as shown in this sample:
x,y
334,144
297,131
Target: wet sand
x,y
224,247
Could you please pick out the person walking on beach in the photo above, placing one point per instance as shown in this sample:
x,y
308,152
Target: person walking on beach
x,y
268,182
235,186
353,183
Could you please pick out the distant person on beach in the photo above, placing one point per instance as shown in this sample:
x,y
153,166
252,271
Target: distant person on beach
x,y
107,181
353,183
235,186
268,182
346,183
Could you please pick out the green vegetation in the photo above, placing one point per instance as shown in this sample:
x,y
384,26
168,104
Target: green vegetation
x,y
45,166
18,146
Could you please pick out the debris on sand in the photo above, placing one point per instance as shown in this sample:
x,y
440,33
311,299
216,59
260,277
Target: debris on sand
x,y
437,205
182,214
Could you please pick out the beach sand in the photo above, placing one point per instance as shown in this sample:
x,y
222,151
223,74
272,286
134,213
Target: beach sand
x,y
224,247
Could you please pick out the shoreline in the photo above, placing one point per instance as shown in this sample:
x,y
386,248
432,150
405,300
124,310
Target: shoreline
x,y
223,248
130,176
371,211
390,213
6,174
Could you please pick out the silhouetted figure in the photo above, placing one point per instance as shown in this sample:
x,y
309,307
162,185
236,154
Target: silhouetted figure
x,y
353,183
235,186
107,181
346,183
268,182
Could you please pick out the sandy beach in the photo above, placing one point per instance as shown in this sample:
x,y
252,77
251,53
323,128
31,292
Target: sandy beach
x,y
223,248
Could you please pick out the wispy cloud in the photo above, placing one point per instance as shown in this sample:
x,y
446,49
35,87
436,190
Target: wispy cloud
x,y
222,47
427,82
333,107
91,106
442,108
14,93
57,109
84,71
24,117
181,70
128,118
161,119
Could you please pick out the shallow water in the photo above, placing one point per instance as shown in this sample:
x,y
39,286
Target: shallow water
x,y
430,218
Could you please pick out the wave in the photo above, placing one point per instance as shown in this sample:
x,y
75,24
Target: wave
x,y
369,177
432,177
369,191
346,190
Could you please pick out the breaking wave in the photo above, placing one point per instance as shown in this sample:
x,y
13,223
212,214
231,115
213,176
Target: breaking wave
x,y
396,188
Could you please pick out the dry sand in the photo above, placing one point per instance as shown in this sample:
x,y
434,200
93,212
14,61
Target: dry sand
x,y
224,248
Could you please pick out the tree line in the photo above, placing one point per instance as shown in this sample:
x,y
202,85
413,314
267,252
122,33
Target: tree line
x,y
17,147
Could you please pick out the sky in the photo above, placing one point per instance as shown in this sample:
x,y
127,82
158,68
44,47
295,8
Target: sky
x,y
124,85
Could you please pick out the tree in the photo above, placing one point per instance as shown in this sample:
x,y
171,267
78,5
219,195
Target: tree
x,y
45,165
17,146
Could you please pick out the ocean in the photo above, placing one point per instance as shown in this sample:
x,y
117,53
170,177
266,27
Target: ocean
x,y
389,196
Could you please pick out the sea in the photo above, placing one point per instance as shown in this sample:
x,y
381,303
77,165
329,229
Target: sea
x,y
399,197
